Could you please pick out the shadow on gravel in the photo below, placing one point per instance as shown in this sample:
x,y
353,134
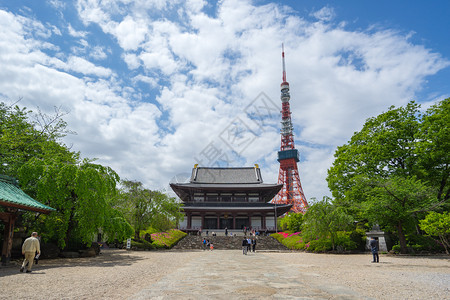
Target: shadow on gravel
x,y
107,259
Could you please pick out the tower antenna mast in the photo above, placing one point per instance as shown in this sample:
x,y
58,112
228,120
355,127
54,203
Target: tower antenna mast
x,y
288,156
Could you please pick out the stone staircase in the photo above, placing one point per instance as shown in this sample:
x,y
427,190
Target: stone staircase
x,y
194,242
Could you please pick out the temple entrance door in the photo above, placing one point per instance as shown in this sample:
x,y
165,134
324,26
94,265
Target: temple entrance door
x,y
210,223
242,222
228,223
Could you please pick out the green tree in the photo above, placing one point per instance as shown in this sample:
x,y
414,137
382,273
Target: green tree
x,y
395,202
135,202
433,149
324,219
48,171
80,191
292,222
371,173
438,224
144,208
23,135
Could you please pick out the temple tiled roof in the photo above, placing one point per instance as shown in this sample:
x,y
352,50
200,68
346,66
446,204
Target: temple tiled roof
x,y
246,175
237,206
12,196
234,204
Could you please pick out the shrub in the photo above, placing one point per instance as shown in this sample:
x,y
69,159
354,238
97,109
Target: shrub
x,y
293,242
319,245
344,240
396,249
141,244
168,239
359,237
278,236
421,243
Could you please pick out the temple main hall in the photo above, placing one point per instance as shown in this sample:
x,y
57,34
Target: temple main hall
x,y
232,198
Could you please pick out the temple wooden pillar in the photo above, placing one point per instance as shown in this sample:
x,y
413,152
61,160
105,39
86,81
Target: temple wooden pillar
x,y
218,221
264,221
189,221
203,220
8,219
234,221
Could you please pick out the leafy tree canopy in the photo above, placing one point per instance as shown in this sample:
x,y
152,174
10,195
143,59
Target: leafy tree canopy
x,y
48,171
144,208
323,219
438,224
396,167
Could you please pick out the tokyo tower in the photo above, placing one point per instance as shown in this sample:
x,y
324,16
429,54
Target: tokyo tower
x,y
288,156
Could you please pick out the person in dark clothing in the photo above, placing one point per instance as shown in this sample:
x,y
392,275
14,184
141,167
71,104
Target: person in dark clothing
x,y
374,248
244,246
226,231
253,245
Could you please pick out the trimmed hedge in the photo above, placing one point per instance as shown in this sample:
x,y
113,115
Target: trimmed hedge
x,y
344,241
166,240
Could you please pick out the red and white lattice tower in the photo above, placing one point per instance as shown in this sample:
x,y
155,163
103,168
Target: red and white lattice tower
x,y
288,156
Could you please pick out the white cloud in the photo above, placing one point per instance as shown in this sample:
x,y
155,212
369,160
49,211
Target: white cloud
x,y
81,65
130,33
75,33
201,72
149,80
98,53
324,14
131,60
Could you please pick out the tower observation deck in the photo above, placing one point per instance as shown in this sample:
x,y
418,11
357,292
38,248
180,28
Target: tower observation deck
x,y
288,156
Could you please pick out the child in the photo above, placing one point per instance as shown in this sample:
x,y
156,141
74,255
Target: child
x,y
211,246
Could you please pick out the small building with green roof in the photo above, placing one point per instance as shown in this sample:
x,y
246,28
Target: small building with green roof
x,y
12,200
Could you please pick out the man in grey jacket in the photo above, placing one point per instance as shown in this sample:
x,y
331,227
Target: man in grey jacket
x,y
29,249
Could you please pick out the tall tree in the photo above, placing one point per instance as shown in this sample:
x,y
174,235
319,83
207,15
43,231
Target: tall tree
x,y
23,134
433,149
373,170
80,191
144,208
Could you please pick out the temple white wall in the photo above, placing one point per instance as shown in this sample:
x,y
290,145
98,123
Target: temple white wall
x,y
183,224
256,222
196,222
270,222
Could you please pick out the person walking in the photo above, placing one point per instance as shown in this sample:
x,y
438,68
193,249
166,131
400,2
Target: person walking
x,y
204,244
374,248
29,249
249,244
244,246
226,231
254,245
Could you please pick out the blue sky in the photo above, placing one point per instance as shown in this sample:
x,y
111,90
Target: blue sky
x,y
153,87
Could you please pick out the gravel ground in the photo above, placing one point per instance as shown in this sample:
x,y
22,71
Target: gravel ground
x,y
395,277
114,274
118,274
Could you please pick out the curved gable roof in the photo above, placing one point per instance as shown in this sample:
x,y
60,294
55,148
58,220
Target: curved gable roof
x,y
247,175
12,196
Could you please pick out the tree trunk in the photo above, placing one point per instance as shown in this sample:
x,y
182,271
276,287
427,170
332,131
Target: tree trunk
x,y
445,242
402,239
71,224
136,234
